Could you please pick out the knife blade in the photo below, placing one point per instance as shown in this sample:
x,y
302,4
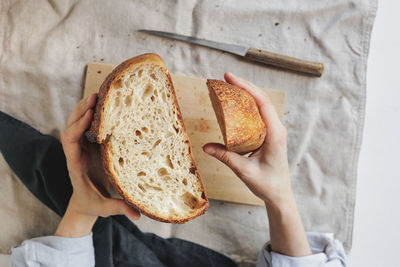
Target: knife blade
x,y
262,56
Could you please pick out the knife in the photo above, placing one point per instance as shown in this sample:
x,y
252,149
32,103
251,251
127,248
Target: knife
x,y
269,58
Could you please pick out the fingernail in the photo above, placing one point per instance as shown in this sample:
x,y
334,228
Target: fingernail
x,y
209,149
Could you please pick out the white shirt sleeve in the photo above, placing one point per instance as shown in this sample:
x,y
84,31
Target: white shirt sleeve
x,y
54,251
327,252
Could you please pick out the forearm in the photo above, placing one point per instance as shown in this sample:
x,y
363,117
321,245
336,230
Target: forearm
x,y
75,224
286,228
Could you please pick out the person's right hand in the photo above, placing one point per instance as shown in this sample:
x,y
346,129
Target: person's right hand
x,y
266,171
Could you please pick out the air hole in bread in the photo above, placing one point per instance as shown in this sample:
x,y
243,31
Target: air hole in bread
x,y
147,154
123,142
168,95
179,163
163,96
184,181
156,93
152,98
118,84
118,93
142,188
139,134
162,172
192,170
141,174
167,179
152,131
144,129
191,201
117,100
169,162
175,128
151,180
154,187
140,73
153,76
157,143
148,90
128,100
121,161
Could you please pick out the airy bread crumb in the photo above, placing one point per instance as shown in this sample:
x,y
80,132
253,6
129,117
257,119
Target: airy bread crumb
x,y
146,151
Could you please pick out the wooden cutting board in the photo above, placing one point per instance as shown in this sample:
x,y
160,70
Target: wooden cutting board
x,y
202,127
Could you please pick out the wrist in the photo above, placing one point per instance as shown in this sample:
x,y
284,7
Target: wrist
x,y
281,198
75,224
285,201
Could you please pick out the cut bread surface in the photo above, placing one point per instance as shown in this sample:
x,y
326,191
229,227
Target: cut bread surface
x,y
146,151
238,116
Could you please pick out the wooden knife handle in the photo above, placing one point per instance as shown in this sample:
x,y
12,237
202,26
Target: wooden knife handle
x,y
285,62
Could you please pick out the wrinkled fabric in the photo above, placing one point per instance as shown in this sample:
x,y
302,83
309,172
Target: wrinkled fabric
x,y
50,251
46,45
326,252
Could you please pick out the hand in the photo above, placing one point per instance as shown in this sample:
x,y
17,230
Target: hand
x,y
90,197
265,171
266,174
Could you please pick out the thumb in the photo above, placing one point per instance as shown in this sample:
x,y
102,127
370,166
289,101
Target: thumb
x,y
230,159
113,206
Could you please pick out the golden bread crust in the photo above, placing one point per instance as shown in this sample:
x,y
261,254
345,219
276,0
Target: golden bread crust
x,y
238,116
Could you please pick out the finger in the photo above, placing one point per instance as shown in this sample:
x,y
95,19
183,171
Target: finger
x,y
75,131
231,159
267,110
81,108
114,206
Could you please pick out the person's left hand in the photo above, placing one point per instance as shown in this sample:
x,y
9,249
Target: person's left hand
x,y
89,200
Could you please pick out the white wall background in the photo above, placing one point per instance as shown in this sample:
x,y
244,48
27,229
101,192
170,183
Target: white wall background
x,y
376,239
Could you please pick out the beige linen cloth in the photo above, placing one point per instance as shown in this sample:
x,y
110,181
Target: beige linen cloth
x,y
46,45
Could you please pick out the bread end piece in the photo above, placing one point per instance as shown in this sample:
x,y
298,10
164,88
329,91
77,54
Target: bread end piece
x,y
238,116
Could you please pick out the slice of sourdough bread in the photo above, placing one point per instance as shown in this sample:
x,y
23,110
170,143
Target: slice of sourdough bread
x,y
238,116
145,149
